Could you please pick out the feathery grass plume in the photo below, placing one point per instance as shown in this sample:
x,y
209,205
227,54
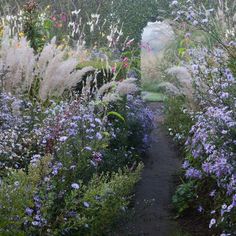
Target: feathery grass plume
x,y
107,93
56,74
127,86
107,88
114,90
183,80
60,74
57,71
18,57
111,97
168,88
48,53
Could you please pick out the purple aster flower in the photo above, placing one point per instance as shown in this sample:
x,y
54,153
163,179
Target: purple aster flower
x,y
36,223
193,173
212,193
212,222
234,200
72,214
185,164
200,209
98,136
29,211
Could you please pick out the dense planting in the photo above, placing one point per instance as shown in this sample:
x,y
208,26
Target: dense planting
x,y
73,129
210,120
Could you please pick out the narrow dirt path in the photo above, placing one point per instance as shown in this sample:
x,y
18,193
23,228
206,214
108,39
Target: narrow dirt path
x,y
152,202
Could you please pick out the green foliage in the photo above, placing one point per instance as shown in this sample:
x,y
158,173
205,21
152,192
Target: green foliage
x,y
184,197
106,197
153,97
33,26
96,63
130,16
16,194
177,117
112,192
151,86
116,114
232,60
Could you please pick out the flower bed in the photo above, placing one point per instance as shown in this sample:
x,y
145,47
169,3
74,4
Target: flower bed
x,y
210,147
71,136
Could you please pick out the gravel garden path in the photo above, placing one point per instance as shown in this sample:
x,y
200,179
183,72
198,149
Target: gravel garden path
x,y
152,211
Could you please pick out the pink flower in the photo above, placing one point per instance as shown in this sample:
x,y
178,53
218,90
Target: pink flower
x,y
126,65
58,25
129,42
53,18
113,69
126,59
63,17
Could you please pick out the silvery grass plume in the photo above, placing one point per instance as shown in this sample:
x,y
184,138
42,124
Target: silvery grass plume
x,y
115,90
18,57
55,67
183,80
58,70
168,88
127,86
177,81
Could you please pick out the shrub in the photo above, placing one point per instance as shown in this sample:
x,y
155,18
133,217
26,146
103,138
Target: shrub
x,y
184,197
83,209
178,118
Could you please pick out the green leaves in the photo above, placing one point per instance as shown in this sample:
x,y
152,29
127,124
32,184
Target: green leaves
x,y
184,196
181,51
117,115
48,24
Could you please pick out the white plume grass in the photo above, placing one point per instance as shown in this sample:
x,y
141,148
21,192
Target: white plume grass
x,y
55,67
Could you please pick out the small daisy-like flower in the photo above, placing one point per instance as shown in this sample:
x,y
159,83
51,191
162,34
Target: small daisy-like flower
x,y
63,139
98,136
212,222
75,186
86,204
29,211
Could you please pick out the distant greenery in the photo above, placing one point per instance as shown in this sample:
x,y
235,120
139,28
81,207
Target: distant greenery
x,y
132,16
153,97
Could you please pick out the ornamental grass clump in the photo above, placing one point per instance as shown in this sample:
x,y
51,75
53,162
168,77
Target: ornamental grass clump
x,y
44,75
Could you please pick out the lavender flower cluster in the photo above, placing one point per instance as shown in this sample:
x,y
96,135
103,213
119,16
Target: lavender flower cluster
x,y
206,18
143,117
18,131
67,143
213,147
68,120
212,139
